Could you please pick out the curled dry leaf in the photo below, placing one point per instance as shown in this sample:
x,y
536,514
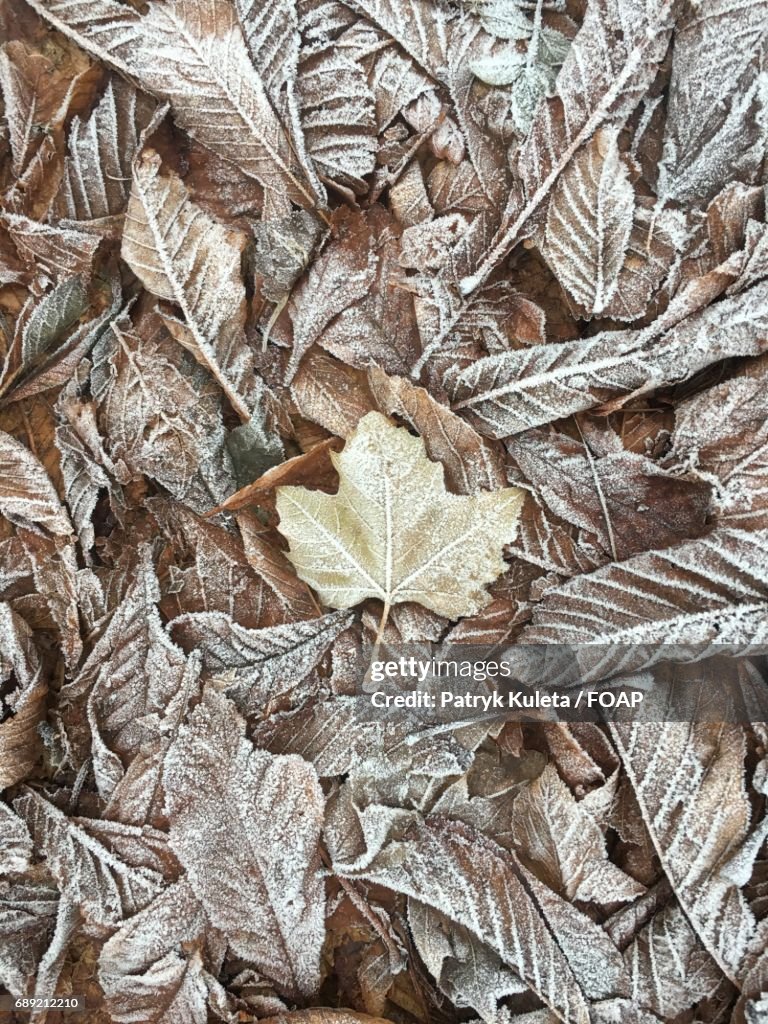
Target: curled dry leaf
x,y
27,495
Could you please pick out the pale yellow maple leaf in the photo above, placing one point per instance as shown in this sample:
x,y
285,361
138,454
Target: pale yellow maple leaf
x,y
393,531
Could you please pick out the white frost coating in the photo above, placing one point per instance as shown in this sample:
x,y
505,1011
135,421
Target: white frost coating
x,y
513,391
689,781
711,589
266,661
143,971
26,493
477,884
716,124
561,837
589,221
100,882
183,256
246,825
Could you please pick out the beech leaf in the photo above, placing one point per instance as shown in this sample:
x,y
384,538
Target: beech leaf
x,y
241,806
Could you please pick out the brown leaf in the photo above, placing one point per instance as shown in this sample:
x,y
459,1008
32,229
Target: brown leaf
x,y
629,503
107,884
689,783
546,820
331,393
273,913
471,463
24,707
27,495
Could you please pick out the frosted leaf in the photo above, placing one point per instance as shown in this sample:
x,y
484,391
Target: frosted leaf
x,y
331,393
504,19
343,733
377,326
108,29
34,94
337,280
59,251
246,824
266,662
670,969
628,502
24,706
151,969
467,971
337,117
396,79
385,535
193,55
420,27
253,447
136,679
52,317
610,64
271,564
546,820
722,435
140,369
283,250
408,197
513,391
27,916
15,843
478,884
218,575
83,470
56,368
529,76
487,158
27,495
427,246
510,392
272,34
99,881
716,122
700,591
589,219
689,782
652,248
54,567
97,172
183,256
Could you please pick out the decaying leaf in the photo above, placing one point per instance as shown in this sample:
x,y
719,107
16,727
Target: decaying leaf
x,y
273,914
589,220
711,588
546,820
183,256
107,883
26,493
689,785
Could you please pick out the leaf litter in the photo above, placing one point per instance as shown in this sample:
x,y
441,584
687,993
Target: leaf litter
x,y
328,324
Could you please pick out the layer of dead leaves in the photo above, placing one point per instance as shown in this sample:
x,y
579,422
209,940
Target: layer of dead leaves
x,y
517,250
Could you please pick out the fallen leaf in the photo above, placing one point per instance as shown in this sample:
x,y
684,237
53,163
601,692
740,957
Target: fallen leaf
x,y
391,539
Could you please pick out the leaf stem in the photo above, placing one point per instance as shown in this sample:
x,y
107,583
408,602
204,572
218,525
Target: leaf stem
x,y
379,635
